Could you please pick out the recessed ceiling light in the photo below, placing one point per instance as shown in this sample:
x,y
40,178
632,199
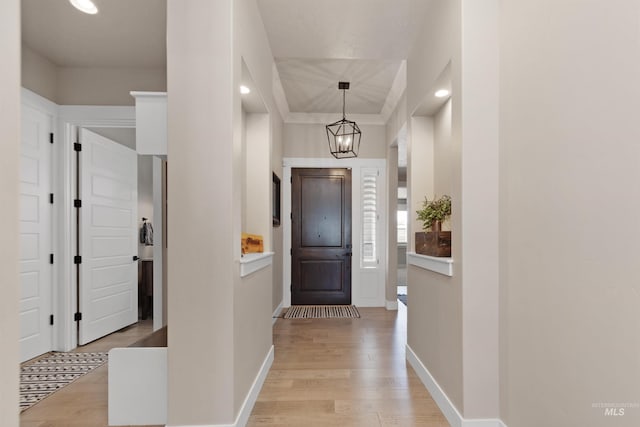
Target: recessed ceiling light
x,y
244,90
442,93
85,6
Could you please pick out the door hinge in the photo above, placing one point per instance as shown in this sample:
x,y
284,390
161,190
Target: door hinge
x,y
51,141
51,319
77,317
291,216
51,198
291,251
77,203
291,287
291,179
77,259
50,258
77,146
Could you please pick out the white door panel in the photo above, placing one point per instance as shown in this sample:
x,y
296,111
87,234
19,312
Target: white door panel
x,y
108,236
35,235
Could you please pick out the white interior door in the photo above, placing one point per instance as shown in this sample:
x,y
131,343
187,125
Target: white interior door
x,y
35,235
108,236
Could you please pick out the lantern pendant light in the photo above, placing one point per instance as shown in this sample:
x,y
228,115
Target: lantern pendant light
x,y
344,135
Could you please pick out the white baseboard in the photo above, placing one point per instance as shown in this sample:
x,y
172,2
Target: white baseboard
x,y
391,305
249,401
447,407
201,425
276,313
488,422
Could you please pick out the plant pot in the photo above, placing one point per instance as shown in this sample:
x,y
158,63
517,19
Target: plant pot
x,y
434,243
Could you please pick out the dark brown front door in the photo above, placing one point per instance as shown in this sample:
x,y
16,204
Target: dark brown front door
x,y
321,236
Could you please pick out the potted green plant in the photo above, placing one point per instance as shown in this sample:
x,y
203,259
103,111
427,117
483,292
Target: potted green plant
x,y
433,241
434,212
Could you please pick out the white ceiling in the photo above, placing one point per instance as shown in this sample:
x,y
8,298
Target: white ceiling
x,y
319,43
311,85
345,29
316,43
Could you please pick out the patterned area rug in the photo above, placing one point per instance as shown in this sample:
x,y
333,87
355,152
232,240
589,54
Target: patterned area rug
x,y
322,312
48,374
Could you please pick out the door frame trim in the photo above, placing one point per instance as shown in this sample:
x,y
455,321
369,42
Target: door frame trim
x,y
356,164
70,118
43,105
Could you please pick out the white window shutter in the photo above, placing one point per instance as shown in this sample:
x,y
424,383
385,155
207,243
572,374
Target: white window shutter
x,y
369,203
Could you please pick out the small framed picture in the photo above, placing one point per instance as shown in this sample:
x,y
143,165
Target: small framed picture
x,y
275,193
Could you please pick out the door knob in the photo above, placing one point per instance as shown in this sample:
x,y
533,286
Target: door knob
x,y
135,258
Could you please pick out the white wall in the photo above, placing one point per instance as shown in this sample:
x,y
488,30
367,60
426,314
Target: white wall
x,y
443,154
253,306
420,170
87,86
9,187
106,86
39,74
207,43
200,252
277,145
310,141
480,181
257,192
455,336
569,132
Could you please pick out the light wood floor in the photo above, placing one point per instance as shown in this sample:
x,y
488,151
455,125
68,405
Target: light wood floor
x,y
326,372
344,372
83,403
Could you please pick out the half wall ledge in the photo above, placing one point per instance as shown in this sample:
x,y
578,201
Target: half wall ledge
x,y
250,263
439,265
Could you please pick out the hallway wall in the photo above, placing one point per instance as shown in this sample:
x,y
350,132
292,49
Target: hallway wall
x,y
201,255
569,133
207,44
277,148
9,189
444,155
434,332
254,294
77,85
310,141
460,348
39,75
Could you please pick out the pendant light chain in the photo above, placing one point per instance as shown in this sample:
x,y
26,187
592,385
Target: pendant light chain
x,y
344,91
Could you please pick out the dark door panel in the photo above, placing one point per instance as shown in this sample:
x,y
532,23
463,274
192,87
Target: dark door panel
x,y
321,236
321,211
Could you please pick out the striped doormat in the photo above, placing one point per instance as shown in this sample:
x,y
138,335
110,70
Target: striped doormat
x,y
322,312
48,374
